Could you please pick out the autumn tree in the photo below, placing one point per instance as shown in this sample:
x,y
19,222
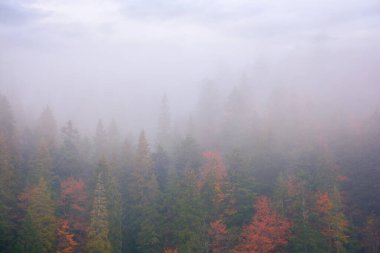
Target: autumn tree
x,y
334,224
219,237
66,242
212,180
74,209
266,232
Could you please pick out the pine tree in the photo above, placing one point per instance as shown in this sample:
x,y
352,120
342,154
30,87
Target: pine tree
x,y
47,129
69,160
42,165
98,233
115,214
186,227
40,223
142,201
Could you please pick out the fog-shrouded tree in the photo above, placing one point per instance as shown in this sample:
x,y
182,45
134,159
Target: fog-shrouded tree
x,y
142,200
98,232
38,233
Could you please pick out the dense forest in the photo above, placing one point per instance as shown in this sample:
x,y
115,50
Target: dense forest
x,y
231,179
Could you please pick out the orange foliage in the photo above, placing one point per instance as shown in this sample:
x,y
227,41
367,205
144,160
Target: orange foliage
x,y
214,169
168,250
266,232
73,202
334,225
66,242
324,204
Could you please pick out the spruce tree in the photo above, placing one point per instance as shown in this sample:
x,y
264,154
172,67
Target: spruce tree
x,y
40,223
98,233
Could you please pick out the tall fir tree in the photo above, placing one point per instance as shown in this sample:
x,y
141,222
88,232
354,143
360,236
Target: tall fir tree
x,y
40,222
142,201
98,233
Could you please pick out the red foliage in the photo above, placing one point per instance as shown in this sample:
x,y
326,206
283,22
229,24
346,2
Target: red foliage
x,y
334,225
266,232
74,205
324,203
219,237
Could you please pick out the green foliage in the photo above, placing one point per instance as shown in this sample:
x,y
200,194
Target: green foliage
x,y
142,200
98,233
40,223
187,215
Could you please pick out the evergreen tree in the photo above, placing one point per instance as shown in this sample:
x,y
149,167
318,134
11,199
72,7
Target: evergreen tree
x,y
42,165
142,201
40,223
161,167
114,207
98,233
186,215
69,160
8,175
47,129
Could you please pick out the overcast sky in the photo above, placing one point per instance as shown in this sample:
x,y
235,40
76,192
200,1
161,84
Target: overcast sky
x,y
105,58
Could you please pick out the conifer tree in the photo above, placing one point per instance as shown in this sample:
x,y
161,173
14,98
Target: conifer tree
x,y
69,161
47,129
9,176
142,200
42,165
98,233
115,213
40,223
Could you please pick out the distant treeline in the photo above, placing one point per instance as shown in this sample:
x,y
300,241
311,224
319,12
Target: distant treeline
x,y
234,179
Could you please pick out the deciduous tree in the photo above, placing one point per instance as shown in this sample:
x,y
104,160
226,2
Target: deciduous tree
x,y
266,232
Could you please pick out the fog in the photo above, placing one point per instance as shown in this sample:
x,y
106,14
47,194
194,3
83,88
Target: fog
x,y
219,126
91,60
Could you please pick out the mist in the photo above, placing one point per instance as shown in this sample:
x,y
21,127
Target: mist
x,y
261,93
